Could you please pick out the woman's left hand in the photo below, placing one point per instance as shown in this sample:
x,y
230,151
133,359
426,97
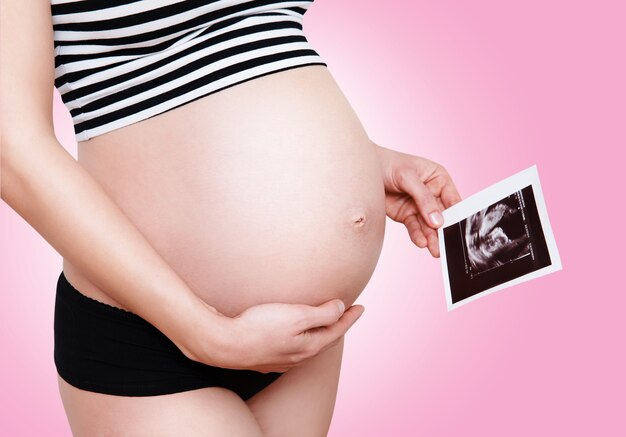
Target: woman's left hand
x,y
417,190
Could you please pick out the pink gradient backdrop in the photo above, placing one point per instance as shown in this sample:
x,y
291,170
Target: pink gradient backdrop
x,y
487,88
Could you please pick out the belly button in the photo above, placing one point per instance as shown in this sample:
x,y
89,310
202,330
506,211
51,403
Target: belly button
x,y
360,220
358,217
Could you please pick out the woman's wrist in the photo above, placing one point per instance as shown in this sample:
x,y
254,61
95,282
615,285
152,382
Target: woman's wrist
x,y
206,335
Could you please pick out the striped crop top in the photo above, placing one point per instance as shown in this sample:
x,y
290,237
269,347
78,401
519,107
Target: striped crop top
x,y
118,62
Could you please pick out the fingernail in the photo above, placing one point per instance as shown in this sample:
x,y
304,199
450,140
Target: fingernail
x,y
341,306
436,218
361,313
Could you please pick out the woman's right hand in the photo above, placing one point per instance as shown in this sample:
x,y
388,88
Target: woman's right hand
x,y
274,337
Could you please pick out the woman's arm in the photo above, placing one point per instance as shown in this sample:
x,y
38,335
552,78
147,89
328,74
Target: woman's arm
x,y
46,186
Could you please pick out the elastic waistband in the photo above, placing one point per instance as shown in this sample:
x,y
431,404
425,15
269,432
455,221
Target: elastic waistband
x,y
66,291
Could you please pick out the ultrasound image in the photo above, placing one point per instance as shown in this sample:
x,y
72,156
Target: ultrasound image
x,y
496,235
494,245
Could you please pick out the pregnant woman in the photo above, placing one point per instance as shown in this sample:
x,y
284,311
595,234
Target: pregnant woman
x,y
225,211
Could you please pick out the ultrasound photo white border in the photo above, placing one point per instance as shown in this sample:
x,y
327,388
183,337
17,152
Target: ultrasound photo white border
x,y
484,199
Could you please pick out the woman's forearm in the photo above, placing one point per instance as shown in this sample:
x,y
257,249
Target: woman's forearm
x,y
47,187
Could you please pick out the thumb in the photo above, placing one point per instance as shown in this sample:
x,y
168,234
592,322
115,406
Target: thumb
x,y
324,314
426,203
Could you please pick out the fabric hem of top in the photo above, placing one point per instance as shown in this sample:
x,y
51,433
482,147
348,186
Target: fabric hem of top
x,y
80,117
85,136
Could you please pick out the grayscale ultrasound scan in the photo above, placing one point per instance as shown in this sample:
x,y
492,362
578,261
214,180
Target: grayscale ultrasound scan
x,y
491,242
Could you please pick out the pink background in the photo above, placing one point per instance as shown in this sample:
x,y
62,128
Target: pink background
x,y
486,88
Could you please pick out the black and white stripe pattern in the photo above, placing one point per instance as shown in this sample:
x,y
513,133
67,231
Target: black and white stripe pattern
x,y
121,61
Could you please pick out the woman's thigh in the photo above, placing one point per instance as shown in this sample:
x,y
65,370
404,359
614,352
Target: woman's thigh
x,y
209,411
301,402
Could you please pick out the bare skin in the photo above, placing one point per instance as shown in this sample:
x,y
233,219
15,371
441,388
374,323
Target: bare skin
x,y
248,205
269,191
111,246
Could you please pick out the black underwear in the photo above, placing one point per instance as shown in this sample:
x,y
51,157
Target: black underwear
x,y
105,349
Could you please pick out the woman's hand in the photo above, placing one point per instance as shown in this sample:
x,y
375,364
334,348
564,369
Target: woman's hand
x,y
417,190
274,337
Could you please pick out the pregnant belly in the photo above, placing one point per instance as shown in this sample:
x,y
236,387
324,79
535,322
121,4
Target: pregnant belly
x,y
268,191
